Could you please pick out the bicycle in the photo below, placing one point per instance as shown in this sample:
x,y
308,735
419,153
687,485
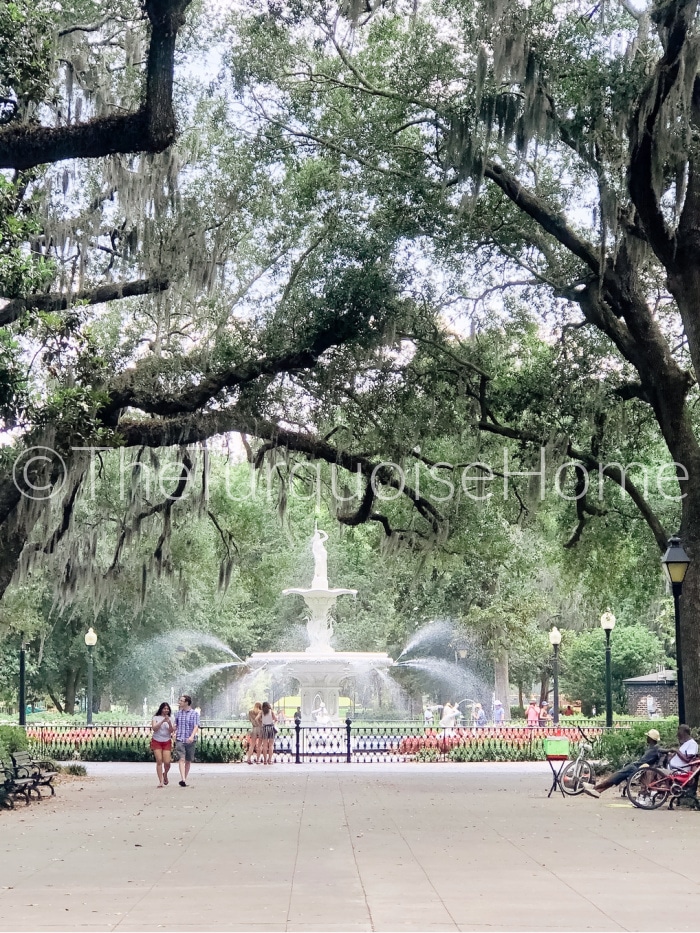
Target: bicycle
x,y
650,788
579,771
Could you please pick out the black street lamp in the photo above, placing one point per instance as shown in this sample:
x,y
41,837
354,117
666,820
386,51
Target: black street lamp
x,y
90,641
555,641
22,686
675,563
607,622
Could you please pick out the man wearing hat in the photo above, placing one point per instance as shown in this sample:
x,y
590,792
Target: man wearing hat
x,y
651,757
499,714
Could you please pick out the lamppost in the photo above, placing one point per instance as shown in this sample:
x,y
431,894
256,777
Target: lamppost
x,y
607,622
675,563
555,641
22,686
90,641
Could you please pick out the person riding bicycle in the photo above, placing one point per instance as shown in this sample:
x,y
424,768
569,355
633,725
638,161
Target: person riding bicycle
x,y
652,756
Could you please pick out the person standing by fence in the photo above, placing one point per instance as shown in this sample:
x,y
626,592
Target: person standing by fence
x,y
533,715
255,737
186,729
269,730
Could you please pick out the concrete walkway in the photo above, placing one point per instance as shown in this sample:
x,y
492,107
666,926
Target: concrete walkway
x,y
343,847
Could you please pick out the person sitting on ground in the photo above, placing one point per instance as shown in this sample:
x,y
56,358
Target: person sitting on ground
x,y
687,751
651,757
568,711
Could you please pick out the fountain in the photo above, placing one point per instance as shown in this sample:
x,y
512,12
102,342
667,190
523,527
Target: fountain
x,y
320,669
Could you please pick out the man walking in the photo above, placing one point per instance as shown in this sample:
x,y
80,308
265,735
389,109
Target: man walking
x,y
186,729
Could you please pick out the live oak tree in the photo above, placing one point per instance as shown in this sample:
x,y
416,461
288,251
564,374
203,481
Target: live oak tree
x,y
156,300
268,274
552,150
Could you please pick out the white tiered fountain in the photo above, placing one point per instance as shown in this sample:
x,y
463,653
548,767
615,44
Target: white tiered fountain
x,y
320,669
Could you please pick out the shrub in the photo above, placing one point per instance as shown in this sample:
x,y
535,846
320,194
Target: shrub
x,y
427,754
12,739
220,752
517,712
76,769
619,747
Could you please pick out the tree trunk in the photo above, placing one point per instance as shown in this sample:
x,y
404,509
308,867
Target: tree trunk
x,y
71,688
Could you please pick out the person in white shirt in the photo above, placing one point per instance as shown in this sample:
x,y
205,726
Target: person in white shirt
x,y
687,751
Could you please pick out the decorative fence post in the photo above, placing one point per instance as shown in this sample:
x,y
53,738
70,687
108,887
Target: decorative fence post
x,y
297,728
348,724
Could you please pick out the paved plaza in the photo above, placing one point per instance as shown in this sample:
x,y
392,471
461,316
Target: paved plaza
x,y
431,847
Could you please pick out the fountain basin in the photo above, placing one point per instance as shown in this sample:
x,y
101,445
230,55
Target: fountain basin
x,y
320,676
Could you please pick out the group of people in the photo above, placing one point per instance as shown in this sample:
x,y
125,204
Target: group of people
x,y
261,740
652,757
182,728
451,716
538,715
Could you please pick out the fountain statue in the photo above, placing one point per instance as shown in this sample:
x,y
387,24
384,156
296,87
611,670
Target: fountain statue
x,y
319,599
320,580
320,669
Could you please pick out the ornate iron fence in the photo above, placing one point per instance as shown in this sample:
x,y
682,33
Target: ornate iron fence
x,y
398,741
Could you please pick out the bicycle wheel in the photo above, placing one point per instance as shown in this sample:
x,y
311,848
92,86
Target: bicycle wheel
x,y
647,788
575,775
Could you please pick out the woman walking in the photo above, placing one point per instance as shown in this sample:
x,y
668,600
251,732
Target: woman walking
x,y
163,727
269,731
255,737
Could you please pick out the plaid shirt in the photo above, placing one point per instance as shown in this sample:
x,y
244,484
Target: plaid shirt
x,y
185,721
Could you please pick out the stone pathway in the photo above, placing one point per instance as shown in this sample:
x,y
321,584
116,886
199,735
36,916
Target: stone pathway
x,y
435,847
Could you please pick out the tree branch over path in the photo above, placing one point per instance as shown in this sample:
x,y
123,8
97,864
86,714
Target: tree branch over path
x,y
192,430
675,22
549,219
592,464
126,392
151,128
16,307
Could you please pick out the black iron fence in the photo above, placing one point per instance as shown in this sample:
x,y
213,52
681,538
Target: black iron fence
x,y
397,741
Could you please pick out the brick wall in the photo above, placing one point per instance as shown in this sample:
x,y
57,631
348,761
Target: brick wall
x,y
666,697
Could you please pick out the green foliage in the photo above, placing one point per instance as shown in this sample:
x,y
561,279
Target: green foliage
x,y
75,769
634,651
21,271
494,752
12,739
221,751
126,749
619,747
428,754
25,50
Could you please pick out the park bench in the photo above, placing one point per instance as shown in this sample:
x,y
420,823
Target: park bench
x,y
40,772
11,786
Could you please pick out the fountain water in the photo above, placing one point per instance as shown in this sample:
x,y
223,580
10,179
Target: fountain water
x,y
320,670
